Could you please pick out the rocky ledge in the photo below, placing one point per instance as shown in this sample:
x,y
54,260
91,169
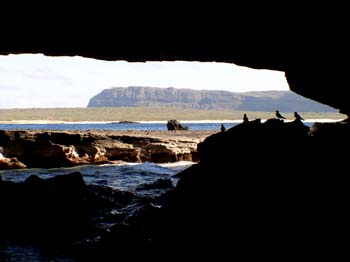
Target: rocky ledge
x,y
69,148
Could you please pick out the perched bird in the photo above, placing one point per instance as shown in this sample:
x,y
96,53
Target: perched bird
x,y
222,128
297,117
245,119
279,116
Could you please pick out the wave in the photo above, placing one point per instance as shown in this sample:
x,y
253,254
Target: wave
x,y
122,176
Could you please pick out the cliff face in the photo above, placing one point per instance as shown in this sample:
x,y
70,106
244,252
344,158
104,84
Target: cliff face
x,y
203,99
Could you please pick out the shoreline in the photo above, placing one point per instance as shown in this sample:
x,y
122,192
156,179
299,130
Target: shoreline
x,y
58,122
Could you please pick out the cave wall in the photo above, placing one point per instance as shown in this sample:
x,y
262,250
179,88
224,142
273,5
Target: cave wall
x,y
312,66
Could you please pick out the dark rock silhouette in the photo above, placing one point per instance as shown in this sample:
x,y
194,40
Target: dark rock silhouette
x,y
66,216
273,205
279,116
158,184
125,122
175,125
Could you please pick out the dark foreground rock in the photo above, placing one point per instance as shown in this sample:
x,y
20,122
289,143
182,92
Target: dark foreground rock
x,y
260,190
273,190
65,216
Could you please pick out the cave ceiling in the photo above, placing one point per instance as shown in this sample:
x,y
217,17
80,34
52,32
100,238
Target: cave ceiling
x,y
313,67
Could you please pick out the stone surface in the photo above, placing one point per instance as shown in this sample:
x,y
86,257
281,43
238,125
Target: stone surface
x,y
175,125
69,148
10,163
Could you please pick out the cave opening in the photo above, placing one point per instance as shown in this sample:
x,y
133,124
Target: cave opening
x,y
38,82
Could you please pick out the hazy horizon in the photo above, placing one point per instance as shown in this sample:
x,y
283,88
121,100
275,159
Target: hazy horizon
x,y
38,81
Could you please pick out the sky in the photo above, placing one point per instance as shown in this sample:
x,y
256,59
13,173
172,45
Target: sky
x,y
38,81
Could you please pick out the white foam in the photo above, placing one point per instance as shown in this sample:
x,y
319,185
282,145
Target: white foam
x,y
323,120
177,164
1,156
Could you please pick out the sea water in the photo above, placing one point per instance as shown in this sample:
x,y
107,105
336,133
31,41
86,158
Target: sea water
x,y
84,126
145,126
125,176
122,176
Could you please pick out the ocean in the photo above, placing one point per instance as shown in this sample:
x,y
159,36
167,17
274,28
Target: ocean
x,y
84,126
123,176
147,126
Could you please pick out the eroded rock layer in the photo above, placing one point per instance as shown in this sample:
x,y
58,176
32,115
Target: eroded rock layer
x,y
61,149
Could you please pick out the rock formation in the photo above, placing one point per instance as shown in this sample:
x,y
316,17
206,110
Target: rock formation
x,y
286,101
60,149
10,163
175,125
66,215
258,190
267,189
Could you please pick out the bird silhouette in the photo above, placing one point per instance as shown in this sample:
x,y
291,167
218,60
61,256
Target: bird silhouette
x,y
279,116
222,128
297,116
245,119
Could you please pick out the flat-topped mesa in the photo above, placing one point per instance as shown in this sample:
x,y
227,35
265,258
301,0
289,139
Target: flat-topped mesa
x,y
70,148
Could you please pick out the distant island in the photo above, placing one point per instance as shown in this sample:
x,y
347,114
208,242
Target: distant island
x,y
267,101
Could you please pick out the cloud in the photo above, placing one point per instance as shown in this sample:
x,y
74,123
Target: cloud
x,y
38,81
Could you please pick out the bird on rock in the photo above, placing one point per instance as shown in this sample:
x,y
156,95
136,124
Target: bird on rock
x,y
245,119
279,116
297,116
222,128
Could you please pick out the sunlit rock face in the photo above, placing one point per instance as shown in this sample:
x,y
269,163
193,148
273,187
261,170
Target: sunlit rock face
x,y
10,163
65,149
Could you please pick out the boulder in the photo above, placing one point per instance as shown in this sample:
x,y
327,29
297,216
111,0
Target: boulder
x,y
175,125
